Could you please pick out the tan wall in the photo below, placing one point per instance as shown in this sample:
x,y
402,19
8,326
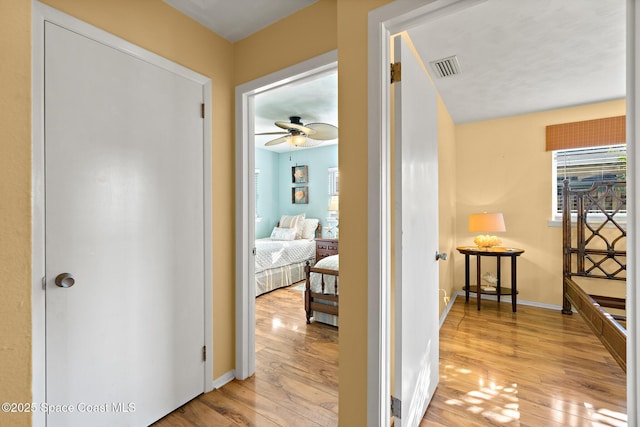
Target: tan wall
x,y
303,35
353,106
503,167
447,166
15,206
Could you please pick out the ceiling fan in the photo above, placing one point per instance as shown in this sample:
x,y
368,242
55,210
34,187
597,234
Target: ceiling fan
x,y
301,135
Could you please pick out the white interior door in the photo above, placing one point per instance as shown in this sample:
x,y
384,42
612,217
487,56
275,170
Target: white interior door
x,y
416,238
124,216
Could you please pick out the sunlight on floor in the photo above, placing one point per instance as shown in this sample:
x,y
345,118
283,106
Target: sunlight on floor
x,y
276,323
605,417
498,403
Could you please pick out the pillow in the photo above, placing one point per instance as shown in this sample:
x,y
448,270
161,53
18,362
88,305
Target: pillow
x,y
309,226
283,233
293,221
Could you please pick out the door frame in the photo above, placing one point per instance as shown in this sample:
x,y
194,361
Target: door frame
x,y
40,14
396,17
245,198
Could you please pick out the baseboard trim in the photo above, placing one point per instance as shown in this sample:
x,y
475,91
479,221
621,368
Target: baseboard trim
x,y
447,309
507,298
223,379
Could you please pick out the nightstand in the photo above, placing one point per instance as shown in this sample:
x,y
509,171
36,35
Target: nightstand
x,y
325,248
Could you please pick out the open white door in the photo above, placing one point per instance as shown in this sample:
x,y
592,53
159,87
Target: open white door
x,y
416,238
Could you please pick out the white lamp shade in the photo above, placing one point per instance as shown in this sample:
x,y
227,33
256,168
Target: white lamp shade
x,y
486,222
333,204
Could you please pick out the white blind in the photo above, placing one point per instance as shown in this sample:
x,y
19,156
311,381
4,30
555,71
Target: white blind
x,y
583,166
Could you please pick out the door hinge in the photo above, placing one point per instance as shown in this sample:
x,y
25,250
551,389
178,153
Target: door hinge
x,y
44,283
204,353
202,110
395,407
396,72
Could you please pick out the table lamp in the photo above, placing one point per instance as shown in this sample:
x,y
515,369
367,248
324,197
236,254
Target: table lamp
x,y
486,223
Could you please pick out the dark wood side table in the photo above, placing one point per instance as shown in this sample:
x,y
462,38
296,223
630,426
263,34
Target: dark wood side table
x,y
498,253
325,248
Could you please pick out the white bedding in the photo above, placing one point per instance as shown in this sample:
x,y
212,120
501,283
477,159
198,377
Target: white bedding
x,y
278,253
330,263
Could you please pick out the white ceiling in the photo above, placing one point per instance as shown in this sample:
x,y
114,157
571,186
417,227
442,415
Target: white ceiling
x,y
528,55
516,57
237,19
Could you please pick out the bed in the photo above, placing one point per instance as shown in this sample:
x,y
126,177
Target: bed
x,y
321,291
280,259
594,261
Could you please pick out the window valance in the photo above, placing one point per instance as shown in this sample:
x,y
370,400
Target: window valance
x,y
588,133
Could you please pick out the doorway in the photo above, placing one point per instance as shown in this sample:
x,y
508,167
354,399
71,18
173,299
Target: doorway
x,y
391,19
245,198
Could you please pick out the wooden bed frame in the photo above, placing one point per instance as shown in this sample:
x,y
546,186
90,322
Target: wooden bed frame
x,y
595,254
317,301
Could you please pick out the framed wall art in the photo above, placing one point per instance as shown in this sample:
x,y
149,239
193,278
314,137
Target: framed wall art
x,y
300,174
300,195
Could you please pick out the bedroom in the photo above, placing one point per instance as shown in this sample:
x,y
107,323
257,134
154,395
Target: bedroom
x,y
295,182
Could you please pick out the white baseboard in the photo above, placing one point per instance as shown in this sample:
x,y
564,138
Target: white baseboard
x,y
507,298
223,379
447,309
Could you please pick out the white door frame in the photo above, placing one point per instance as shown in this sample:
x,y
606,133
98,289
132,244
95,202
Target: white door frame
x,y
40,14
245,199
396,17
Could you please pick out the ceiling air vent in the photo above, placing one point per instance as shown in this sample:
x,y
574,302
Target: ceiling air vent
x,y
446,67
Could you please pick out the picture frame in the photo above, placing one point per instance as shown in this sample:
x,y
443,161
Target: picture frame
x,y
300,195
300,174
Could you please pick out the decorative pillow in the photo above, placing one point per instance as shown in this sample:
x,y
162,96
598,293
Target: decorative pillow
x,y
309,226
283,233
293,221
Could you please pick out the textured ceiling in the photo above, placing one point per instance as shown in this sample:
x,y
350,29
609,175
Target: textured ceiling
x,y
516,57
237,19
528,55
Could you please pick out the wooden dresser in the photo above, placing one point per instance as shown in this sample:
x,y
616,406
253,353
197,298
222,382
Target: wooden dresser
x,y
325,248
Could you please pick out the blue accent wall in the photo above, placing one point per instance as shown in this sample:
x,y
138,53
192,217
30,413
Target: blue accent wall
x,y
267,192
274,185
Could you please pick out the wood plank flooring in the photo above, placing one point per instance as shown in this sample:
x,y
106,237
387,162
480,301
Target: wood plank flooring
x,y
296,380
535,367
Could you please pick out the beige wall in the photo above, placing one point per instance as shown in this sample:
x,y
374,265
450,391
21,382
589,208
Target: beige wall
x,y
296,38
353,106
447,166
503,167
15,206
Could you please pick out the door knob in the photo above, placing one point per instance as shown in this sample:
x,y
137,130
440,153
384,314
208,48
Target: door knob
x,y
65,280
441,256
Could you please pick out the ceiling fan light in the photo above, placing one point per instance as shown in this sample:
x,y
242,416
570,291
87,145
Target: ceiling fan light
x,y
296,140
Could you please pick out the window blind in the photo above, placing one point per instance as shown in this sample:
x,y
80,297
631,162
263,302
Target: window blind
x,y
582,167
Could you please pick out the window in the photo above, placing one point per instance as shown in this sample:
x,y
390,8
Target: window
x,y
334,187
583,166
257,175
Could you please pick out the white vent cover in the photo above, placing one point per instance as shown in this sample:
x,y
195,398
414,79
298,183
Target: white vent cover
x,y
446,67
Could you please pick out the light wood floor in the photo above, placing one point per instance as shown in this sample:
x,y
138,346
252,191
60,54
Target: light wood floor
x,y
535,367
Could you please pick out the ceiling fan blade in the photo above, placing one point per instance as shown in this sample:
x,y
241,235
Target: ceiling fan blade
x,y
323,131
287,125
272,133
276,141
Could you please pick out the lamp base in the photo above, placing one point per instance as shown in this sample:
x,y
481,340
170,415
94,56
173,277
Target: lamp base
x,y
485,241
